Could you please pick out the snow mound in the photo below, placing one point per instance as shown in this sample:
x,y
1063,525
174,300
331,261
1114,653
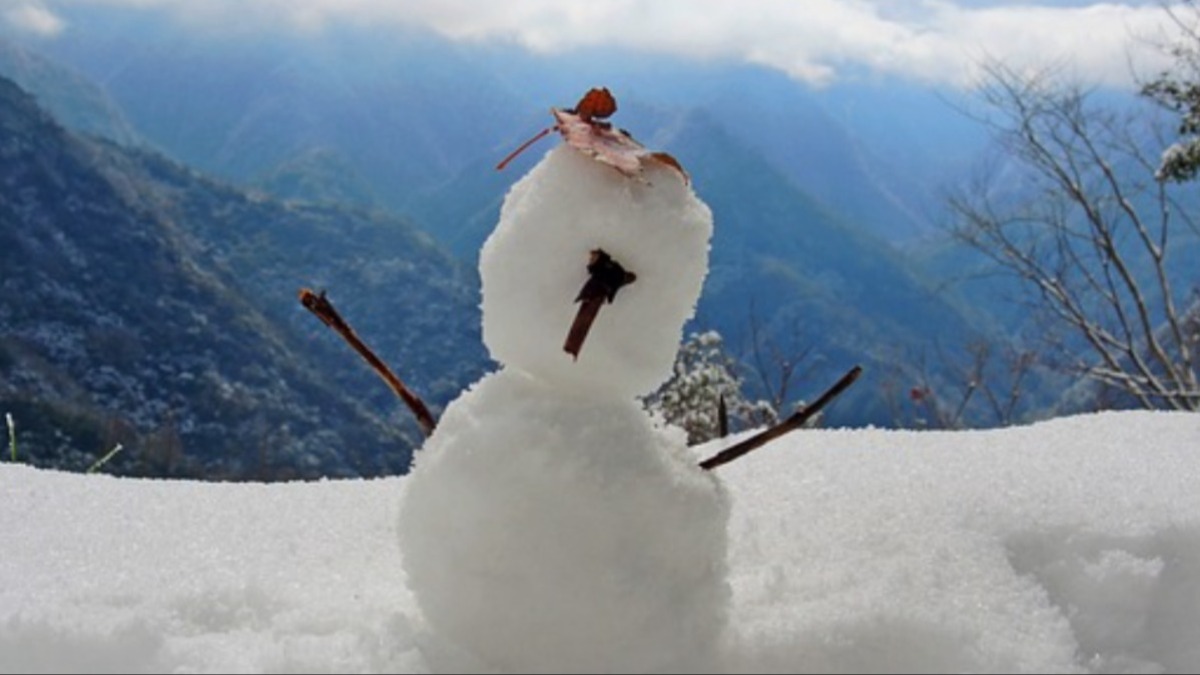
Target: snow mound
x,y
1072,545
543,530
1067,546
534,265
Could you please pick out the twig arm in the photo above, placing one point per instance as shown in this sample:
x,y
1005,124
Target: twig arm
x,y
320,306
792,423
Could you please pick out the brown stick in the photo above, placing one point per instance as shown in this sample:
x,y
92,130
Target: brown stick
x,y
524,146
722,417
605,277
319,305
792,423
588,309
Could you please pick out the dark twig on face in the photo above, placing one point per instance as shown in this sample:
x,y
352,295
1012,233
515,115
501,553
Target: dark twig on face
x,y
605,277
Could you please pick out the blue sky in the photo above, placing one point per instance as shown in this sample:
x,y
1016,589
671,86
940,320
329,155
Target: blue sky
x,y
932,41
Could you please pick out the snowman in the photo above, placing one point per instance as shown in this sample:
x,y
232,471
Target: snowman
x,y
549,524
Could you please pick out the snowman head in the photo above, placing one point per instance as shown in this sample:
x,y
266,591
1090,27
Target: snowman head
x,y
573,224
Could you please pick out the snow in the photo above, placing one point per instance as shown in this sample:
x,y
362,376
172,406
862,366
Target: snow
x,y
534,264
551,525
1072,545
544,528
548,523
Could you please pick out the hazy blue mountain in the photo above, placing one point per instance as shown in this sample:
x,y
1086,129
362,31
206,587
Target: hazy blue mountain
x,y
876,153
75,100
872,150
829,181
319,175
409,110
145,305
414,303
814,279
404,108
810,277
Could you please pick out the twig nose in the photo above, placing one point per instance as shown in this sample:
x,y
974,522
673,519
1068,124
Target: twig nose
x,y
605,277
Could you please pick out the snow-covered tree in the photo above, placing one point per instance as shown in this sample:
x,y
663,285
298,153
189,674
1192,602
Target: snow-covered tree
x,y
1178,89
705,374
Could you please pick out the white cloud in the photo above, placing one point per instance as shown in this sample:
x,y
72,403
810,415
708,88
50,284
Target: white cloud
x,y
940,41
33,18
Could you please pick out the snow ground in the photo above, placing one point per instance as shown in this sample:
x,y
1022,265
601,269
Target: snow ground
x,y
1069,545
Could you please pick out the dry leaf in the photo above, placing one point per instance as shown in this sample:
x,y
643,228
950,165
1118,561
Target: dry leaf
x,y
596,104
582,127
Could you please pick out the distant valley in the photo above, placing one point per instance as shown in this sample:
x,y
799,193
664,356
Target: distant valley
x,y
363,162
147,306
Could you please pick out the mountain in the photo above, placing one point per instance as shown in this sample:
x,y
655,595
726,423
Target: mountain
x,y
874,151
403,108
75,100
782,263
813,279
148,306
408,110
853,148
831,186
320,175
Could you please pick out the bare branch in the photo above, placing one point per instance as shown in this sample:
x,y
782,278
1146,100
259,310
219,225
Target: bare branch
x,y
1079,236
320,306
789,425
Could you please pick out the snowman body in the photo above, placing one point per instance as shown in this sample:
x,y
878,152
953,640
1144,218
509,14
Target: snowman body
x,y
549,524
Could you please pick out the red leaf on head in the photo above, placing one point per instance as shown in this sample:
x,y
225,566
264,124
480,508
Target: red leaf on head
x,y
602,143
598,103
582,129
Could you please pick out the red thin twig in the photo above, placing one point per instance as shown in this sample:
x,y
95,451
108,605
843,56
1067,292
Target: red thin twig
x,y
513,155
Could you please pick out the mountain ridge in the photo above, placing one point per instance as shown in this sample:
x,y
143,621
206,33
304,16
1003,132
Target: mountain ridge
x,y
124,321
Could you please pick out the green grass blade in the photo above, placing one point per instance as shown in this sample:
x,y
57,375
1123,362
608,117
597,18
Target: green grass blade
x,y
104,460
12,437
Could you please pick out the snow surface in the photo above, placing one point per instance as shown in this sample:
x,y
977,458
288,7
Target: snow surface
x,y
548,523
1070,545
544,527
535,263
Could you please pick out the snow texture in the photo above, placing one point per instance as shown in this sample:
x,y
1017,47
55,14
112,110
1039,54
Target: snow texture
x,y
1068,546
549,525
546,530
534,264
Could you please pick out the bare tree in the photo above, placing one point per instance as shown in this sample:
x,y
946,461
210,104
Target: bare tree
x,y
1089,232
985,383
778,363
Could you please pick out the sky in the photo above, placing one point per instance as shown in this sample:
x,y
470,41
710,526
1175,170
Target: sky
x,y
814,41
